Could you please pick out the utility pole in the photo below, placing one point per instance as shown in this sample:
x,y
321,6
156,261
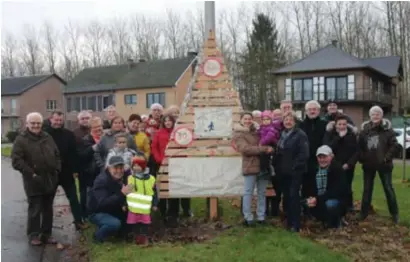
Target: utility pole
x,y
209,18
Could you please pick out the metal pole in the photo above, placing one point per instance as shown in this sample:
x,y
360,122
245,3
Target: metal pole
x,y
209,18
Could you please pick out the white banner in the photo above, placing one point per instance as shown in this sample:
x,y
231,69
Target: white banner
x,y
205,177
213,122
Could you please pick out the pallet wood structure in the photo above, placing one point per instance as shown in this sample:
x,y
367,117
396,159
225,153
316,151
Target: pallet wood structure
x,y
206,91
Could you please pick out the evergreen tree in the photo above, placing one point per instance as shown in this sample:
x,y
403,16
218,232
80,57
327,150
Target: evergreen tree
x,y
263,55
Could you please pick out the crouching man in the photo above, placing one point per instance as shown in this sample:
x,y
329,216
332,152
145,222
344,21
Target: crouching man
x,y
329,203
106,200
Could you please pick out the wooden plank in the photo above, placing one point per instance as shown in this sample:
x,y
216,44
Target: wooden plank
x,y
201,93
214,103
212,52
222,77
213,208
212,85
187,118
212,152
162,178
203,143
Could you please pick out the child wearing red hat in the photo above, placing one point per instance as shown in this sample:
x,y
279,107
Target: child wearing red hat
x,y
141,200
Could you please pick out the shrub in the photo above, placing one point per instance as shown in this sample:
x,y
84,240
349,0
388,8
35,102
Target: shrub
x,y
11,136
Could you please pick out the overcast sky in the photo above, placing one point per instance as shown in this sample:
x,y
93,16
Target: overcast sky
x,y
15,14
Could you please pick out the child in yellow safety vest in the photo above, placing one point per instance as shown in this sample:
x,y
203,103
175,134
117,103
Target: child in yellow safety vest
x,y
141,200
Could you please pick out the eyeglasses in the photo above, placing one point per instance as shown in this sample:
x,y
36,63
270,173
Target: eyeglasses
x,y
35,123
85,118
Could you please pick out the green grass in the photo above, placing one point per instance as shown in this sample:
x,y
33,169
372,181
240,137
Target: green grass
x,y
6,151
255,244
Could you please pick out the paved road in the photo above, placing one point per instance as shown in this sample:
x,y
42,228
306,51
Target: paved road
x,y
15,247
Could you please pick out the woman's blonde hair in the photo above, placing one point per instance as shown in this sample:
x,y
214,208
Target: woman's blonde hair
x,y
95,120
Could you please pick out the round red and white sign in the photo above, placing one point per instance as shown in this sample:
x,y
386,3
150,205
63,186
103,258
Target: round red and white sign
x,y
183,136
212,67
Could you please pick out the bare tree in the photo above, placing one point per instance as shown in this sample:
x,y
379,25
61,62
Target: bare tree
x,y
95,38
174,34
31,51
50,38
73,32
9,56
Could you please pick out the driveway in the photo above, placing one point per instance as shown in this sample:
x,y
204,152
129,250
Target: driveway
x,y
15,247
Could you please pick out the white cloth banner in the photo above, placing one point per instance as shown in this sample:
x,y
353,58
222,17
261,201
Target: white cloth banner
x,y
213,122
205,177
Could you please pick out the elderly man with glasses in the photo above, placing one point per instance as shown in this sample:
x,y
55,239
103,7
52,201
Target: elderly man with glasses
x,y
83,128
36,157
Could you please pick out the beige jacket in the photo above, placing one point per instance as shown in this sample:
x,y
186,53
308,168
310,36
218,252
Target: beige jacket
x,y
247,143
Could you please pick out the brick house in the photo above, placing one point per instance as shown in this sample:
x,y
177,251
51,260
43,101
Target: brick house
x,y
131,87
356,84
22,95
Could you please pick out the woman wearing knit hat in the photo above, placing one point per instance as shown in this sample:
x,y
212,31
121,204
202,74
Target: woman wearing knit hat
x,y
142,199
152,123
378,144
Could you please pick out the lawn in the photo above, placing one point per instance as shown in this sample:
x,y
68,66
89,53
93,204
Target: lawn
x,y
6,151
256,244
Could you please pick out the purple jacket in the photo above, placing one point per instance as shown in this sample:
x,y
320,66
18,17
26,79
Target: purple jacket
x,y
270,134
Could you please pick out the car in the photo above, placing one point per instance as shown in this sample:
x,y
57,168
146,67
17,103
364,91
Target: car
x,y
400,138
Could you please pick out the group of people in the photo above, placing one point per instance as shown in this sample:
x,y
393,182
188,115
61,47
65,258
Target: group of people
x,y
115,161
311,163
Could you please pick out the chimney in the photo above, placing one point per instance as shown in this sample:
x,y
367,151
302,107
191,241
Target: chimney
x,y
209,18
334,43
130,63
141,60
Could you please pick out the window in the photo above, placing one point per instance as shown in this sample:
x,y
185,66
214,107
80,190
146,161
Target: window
x,y
350,87
155,98
77,104
297,90
107,101
83,103
130,99
68,102
99,103
288,89
307,89
330,88
51,105
322,88
13,106
341,88
91,103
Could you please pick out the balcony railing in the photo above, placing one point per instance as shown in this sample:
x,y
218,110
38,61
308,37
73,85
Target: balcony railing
x,y
363,95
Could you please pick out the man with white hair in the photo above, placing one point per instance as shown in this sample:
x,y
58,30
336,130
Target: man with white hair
x,y
110,113
36,157
315,129
153,122
378,144
83,128
286,106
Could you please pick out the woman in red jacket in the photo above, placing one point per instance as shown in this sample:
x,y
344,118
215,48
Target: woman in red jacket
x,y
158,146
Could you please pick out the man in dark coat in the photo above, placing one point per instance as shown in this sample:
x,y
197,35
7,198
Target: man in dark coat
x,y
345,147
36,157
378,144
332,113
328,203
106,200
83,128
66,144
315,129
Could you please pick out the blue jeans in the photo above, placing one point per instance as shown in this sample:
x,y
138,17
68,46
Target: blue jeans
x,y
107,225
261,184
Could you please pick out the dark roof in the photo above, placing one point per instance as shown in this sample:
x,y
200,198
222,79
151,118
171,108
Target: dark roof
x,y
333,58
387,65
158,73
18,85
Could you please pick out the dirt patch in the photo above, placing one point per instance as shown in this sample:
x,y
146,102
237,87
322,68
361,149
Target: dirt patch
x,y
188,231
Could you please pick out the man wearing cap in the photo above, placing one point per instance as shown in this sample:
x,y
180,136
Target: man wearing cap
x,y
332,113
106,200
378,144
329,202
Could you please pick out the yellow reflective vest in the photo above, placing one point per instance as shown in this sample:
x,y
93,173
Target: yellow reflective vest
x,y
140,200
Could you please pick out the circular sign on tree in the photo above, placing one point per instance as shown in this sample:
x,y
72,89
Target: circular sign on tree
x,y
183,136
212,67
